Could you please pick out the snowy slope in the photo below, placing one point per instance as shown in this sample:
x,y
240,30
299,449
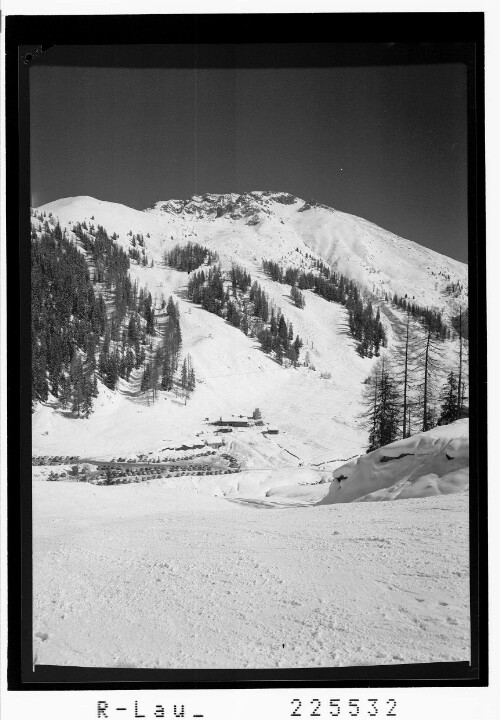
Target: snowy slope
x,y
374,257
158,576
317,417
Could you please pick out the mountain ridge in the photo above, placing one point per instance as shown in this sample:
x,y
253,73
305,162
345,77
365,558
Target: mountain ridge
x,y
318,411
275,224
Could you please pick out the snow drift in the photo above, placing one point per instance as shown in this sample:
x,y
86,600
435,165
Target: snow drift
x,y
435,462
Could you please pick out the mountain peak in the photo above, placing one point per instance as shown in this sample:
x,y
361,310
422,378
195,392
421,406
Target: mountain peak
x,y
273,224
232,205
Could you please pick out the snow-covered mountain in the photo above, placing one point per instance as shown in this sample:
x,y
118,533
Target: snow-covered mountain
x,y
317,411
346,580
282,227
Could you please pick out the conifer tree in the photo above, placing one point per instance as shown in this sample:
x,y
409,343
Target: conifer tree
x,y
292,355
297,297
87,399
95,389
283,331
77,381
40,385
382,402
450,401
429,361
154,375
297,346
167,376
405,360
171,311
273,326
146,379
65,391
184,374
245,325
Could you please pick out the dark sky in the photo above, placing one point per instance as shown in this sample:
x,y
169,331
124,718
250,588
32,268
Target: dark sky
x,y
386,143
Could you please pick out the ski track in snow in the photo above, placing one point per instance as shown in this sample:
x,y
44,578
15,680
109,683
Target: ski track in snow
x,y
222,585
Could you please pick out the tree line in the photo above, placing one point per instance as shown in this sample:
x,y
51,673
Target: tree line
x,y
429,317
365,324
67,321
246,307
75,337
404,392
189,257
163,362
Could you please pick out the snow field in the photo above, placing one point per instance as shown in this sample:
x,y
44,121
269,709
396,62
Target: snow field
x,y
226,585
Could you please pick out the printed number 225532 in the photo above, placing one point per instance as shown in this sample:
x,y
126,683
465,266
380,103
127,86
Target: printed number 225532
x,y
352,707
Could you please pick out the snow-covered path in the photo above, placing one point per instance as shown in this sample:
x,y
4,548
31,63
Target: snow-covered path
x,y
165,575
